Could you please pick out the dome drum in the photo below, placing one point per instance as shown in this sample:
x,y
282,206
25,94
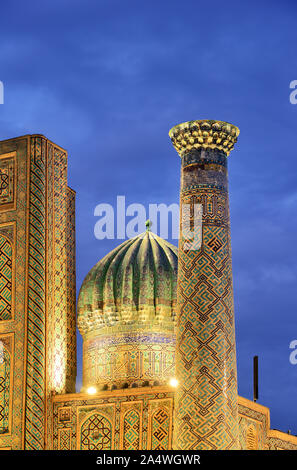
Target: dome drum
x,y
128,360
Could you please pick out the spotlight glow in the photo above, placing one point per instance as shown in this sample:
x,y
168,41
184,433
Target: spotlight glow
x,y
91,390
173,382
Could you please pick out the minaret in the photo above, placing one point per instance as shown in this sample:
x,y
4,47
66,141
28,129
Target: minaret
x,y
206,414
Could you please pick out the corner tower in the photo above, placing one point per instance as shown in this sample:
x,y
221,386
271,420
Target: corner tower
x,y
37,289
206,400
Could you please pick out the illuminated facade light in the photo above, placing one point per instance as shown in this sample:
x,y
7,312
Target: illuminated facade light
x,y
173,382
91,390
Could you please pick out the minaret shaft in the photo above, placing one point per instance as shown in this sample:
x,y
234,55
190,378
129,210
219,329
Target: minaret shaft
x,y
206,399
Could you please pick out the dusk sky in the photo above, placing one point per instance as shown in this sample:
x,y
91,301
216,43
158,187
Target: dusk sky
x,y
107,80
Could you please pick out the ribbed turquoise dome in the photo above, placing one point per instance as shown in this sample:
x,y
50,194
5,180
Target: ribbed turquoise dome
x,y
134,284
126,315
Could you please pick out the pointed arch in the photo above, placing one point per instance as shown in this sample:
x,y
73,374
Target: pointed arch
x,y
160,429
131,430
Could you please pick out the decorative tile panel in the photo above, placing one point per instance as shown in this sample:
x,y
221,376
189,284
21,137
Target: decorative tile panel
x,y
7,271
64,439
6,382
131,425
8,181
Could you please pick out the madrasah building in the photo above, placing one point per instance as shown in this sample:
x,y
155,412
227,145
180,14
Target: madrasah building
x,y
159,358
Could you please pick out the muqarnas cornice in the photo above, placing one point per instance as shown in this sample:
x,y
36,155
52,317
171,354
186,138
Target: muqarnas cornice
x,y
204,133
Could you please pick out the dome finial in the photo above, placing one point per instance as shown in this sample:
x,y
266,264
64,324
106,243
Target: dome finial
x,y
148,225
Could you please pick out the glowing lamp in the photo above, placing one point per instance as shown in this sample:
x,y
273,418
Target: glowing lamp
x,y
91,390
173,382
